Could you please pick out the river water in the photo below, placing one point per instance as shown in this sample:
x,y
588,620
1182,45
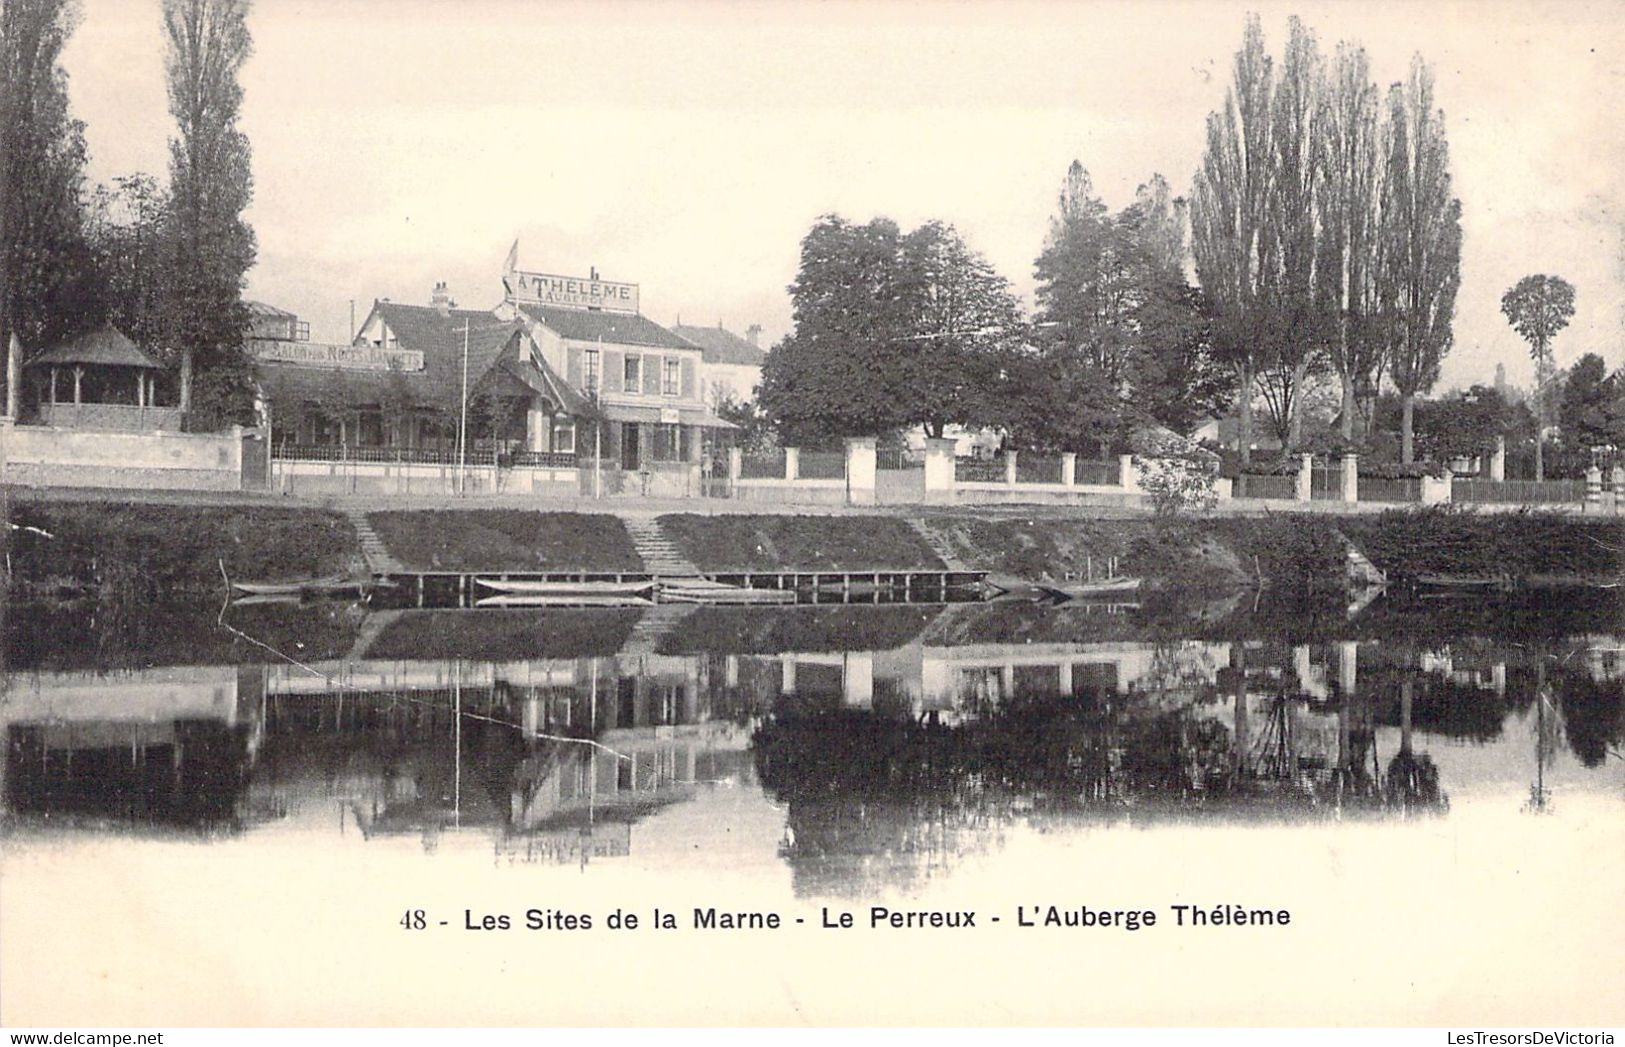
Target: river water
x,y
273,797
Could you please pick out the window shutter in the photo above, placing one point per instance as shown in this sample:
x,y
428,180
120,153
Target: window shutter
x,y
614,369
688,378
651,375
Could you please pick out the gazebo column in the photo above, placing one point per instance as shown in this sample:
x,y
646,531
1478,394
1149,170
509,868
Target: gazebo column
x,y
140,388
78,378
53,385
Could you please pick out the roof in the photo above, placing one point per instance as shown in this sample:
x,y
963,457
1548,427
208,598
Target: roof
x,y
103,345
592,325
722,346
493,365
265,309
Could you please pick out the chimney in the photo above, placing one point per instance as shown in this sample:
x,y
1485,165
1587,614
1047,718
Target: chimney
x,y
441,298
753,335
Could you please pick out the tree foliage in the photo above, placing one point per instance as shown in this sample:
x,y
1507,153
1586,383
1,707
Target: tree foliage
x,y
44,259
210,186
1122,339
1421,248
891,330
1538,307
1229,217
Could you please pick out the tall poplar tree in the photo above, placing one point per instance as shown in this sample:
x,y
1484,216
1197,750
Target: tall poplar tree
x,y
1292,328
210,186
44,260
1230,209
1347,273
1421,244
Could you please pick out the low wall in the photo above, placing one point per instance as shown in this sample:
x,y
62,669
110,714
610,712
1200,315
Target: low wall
x,y
409,478
50,457
795,492
115,417
986,493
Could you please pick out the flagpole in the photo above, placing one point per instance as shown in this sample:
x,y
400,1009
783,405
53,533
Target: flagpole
x,y
462,423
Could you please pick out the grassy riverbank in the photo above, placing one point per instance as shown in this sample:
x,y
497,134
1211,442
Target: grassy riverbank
x,y
163,551
506,540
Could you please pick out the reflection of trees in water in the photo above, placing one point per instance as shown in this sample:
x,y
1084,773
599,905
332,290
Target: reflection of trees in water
x,y
889,798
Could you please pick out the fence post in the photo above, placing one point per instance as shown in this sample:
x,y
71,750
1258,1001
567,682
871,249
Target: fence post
x,y
939,467
1438,491
1351,478
1304,490
1127,478
736,467
860,470
1593,489
1010,467
792,463
1498,461
1069,470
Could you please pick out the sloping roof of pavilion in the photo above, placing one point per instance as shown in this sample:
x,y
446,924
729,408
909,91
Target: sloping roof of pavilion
x,y
104,345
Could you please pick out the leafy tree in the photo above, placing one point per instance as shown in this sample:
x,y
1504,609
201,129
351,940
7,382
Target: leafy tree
x,y
210,186
1229,218
753,429
1587,415
44,260
1347,272
127,229
1468,424
891,331
1123,339
1538,307
1293,327
1421,244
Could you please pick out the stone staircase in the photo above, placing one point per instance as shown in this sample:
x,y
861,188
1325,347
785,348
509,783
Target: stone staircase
x,y
659,556
937,545
657,623
372,627
379,560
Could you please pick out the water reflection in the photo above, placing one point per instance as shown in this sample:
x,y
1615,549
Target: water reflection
x,y
894,740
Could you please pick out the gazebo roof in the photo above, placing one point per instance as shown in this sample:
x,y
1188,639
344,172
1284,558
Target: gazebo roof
x,y
103,345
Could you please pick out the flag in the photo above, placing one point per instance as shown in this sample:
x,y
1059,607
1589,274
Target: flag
x,y
513,258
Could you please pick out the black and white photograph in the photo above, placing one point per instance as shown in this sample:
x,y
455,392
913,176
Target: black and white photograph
x,y
923,513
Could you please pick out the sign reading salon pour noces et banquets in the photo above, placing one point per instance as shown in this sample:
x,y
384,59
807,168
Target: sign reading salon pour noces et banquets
x,y
577,291
342,357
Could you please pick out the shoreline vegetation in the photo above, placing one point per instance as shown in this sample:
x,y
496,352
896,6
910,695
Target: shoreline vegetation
x,y
173,552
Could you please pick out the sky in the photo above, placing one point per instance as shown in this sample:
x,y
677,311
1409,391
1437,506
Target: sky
x,y
689,147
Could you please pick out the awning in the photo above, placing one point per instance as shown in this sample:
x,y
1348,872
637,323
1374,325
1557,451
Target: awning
x,y
665,415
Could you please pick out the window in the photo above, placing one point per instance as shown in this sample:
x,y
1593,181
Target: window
x,y
666,446
589,370
564,436
634,372
671,376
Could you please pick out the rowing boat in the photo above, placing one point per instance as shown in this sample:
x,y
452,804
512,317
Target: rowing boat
x,y
562,600
532,587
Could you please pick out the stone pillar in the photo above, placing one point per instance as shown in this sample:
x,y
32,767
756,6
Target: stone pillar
x,y
939,467
736,464
1010,468
1348,667
14,376
1498,460
5,442
535,429
858,679
792,463
1303,489
1127,476
1593,489
1351,478
860,470
1224,488
787,678
1069,469
1438,490
1064,679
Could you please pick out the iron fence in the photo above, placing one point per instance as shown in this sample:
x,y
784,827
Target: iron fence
x,y
1517,492
1386,489
1098,473
979,470
1037,469
1248,485
822,465
764,466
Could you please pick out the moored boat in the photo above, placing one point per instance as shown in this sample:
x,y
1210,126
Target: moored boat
x,y
534,587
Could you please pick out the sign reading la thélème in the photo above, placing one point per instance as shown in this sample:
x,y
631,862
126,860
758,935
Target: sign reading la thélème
x,y
575,291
